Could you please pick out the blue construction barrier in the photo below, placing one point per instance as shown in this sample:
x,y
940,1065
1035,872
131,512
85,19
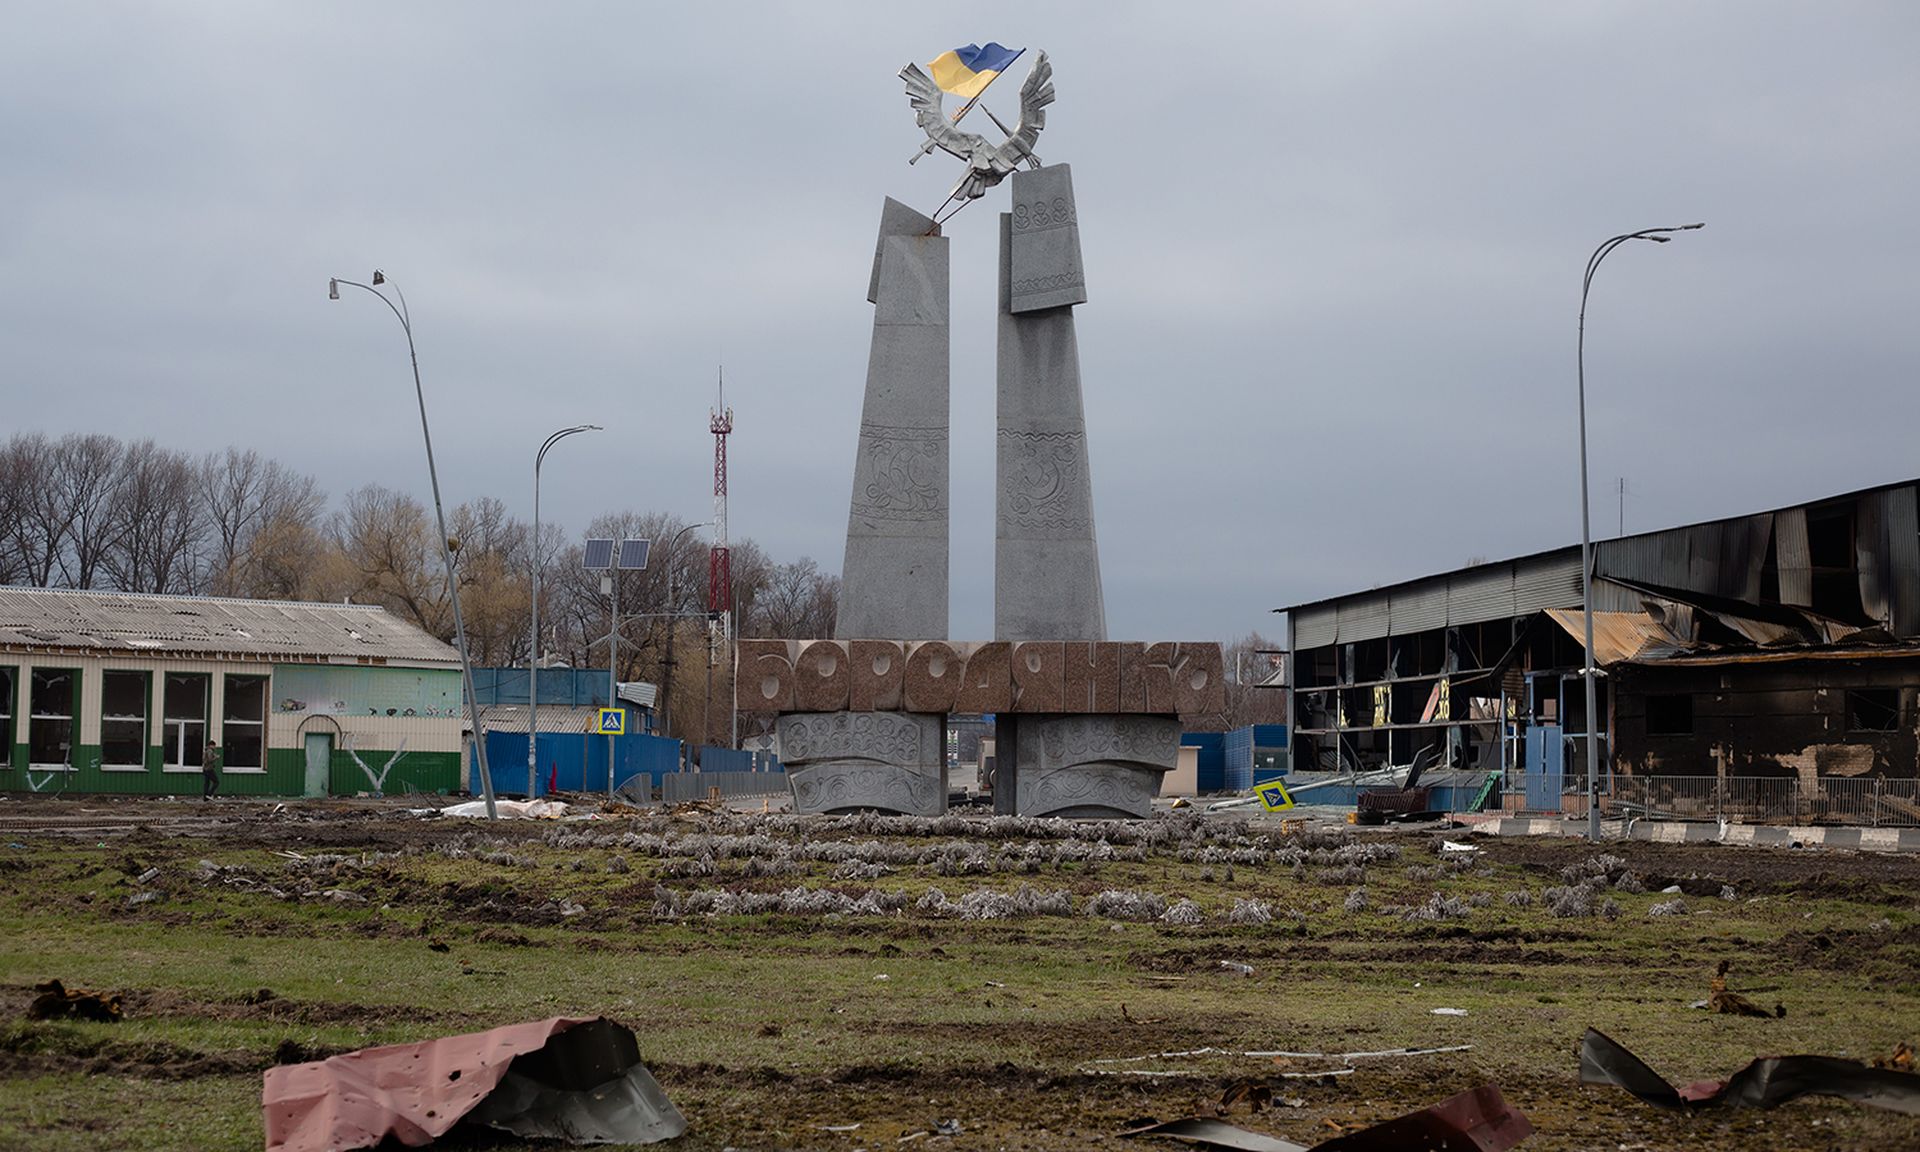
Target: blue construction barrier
x,y
572,762
1209,767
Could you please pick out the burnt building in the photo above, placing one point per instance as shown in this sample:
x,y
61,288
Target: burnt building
x,y
1783,645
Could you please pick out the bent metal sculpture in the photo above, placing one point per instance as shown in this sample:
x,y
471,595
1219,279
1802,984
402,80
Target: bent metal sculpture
x,y
1085,727
987,163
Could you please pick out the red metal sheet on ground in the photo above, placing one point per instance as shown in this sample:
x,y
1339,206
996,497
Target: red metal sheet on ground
x,y
416,1093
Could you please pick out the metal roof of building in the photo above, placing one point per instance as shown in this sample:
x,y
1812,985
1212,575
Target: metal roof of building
x,y
1625,546
553,718
120,622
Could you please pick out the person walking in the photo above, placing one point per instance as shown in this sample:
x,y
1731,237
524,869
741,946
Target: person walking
x,y
210,771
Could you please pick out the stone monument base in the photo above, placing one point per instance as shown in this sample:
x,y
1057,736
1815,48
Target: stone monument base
x,y
865,761
1083,767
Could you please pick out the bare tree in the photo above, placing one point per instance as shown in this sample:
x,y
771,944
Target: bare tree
x,y
491,562
155,522
252,501
386,541
72,513
23,557
799,602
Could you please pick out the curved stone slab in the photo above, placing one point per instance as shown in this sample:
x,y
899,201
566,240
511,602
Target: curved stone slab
x,y
853,761
840,786
1091,767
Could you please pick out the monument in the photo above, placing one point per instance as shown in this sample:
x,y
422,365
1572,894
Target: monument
x,y
1085,727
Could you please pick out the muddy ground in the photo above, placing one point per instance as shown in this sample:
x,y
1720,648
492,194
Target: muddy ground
x,y
774,1028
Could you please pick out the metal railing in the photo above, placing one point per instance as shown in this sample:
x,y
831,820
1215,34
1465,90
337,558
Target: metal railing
x,y
680,787
1869,801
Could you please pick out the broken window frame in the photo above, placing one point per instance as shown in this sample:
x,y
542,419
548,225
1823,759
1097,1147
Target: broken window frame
x,y
184,737
243,738
115,726
1887,707
1667,724
46,728
9,699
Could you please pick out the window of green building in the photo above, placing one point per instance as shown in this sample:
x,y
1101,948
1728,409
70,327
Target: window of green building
x,y
7,699
184,709
124,701
51,697
245,722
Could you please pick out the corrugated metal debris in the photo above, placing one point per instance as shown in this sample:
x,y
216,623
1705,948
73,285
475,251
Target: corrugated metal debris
x,y
572,1079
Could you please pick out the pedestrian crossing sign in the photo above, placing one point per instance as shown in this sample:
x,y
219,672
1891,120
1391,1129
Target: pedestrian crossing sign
x,y
1273,796
611,722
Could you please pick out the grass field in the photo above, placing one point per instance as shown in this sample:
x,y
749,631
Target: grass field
x,y
785,975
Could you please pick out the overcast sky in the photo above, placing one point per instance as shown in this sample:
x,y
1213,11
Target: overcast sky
x,y
1333,257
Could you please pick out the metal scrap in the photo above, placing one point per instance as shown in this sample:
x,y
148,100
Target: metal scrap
x,y
573,1079
1479,1120
1765,1083
1102,1067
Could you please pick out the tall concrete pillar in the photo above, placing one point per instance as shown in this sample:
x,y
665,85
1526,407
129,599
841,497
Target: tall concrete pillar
x,y
1046,583
893,585
894,582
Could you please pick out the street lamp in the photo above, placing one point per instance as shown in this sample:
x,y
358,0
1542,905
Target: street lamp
x,y
673,609
446,549
533,653
1657,236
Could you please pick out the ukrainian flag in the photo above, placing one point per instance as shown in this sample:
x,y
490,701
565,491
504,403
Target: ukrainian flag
x,y
966,72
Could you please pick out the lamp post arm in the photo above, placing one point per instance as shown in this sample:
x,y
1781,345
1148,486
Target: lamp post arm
x,y
446,550
1588,671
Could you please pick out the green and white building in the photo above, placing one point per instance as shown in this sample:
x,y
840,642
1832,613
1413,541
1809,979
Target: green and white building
x,y
119,692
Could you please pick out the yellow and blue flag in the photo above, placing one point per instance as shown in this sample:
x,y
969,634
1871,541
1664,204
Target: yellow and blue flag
x,y
967,71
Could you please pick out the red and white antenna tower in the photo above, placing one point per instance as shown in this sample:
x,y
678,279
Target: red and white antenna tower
x,y
719,561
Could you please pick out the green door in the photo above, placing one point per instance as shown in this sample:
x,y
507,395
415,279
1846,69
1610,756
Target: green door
x,y
319,763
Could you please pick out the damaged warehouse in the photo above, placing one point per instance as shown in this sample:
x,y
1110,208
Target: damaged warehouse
x,y
1761,666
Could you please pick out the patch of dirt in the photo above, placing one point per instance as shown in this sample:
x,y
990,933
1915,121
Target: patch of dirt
x,y
1852,950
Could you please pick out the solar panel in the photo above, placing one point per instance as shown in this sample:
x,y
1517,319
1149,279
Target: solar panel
x,y
599,555
633,554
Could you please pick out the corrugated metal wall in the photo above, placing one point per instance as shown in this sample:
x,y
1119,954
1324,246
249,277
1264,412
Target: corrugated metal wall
x,y
1793,557
1236,758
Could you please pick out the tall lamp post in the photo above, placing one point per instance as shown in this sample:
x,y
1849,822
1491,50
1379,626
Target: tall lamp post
x,y
533,652
446,549
1657,236
672,614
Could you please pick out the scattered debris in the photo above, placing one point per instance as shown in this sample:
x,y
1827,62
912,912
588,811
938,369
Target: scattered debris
x,y
1900,1061
1479,1120
1456,846
139,898
1252,1093
1732,1003
573,1079
1103,1067
947,1128
839,1127
510,809
147,877
1448,1012
1237,968
1673,907
1139,1019
1764,1083
55,1001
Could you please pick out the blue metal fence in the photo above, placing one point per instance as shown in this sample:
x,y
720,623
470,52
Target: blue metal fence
x,y
572,761
1209,768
